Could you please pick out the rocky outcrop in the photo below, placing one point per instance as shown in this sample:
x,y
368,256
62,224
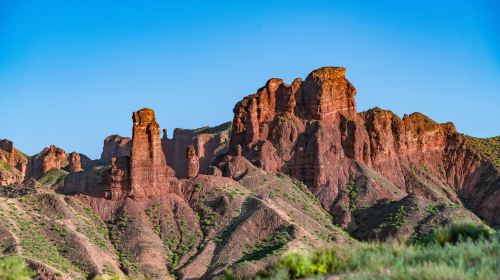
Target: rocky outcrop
x,y
74,164
51,157
193,166
142,174
115,146
209,142
148,167
13,164
312,131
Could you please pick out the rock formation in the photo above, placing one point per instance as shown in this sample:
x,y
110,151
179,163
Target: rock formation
x,y
193,166
13,164
296,153
311,130
51,157
148,167
115,146
74,164
209,142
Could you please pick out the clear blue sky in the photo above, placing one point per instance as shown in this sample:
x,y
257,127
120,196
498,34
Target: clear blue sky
x,y
72,72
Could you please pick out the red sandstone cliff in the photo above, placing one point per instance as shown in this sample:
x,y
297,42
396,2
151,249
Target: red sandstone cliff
x,y
148,167
310,130
208,142
143,174
13,164
49,158
115,146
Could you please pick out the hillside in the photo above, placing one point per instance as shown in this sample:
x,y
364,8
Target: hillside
x,y
297,169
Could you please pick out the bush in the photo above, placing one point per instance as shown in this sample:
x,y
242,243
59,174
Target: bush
x,y
303,264
107,277
53,177
458,232
14,268
466,260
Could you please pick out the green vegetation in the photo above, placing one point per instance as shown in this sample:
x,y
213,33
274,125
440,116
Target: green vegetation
x,y
21,154
428,123
490,147
468,259
32,231
425,168
14,268
397,219
303,264
455,233
53,177
352,192
433,209
222,128
281,119
266,247
154,217
188,240
197,187
118,237
4,166
113,276
94,228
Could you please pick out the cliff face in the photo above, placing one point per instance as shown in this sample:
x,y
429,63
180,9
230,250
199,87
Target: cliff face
x,y
145,173
115,146
311,130
13,164
166,225
208,143
49,158
295,151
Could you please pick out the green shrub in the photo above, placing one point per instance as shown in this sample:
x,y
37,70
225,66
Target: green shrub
x,y
107,277
462,260
303,264
53,177
4,166
458,232
14,268
352,192
281,120
397,219
490,147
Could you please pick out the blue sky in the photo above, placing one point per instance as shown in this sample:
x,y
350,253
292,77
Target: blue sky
x,y
72,72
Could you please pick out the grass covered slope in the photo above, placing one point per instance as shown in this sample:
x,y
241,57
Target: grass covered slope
x,y
461,251
248,224
490,147
14,268
55,232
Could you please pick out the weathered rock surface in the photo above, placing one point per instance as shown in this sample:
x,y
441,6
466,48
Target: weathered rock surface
x,y
142,175
148,167
209,142
49,158
115,146
13,164
311,130
297,154
74,164
193,166
160,232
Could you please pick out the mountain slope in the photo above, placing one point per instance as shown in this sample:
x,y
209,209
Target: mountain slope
x,y
297,168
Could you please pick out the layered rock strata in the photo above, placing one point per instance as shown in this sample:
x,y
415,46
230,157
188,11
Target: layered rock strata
x,y
312,131
209,142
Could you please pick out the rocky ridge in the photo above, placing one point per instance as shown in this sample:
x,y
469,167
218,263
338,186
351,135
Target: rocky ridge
x,y
298,167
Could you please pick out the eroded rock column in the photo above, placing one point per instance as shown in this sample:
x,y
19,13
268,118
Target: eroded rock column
x,y
193,162
148,168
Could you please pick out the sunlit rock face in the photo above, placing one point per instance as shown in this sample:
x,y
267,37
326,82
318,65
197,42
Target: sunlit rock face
x,y
148,167
312,131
